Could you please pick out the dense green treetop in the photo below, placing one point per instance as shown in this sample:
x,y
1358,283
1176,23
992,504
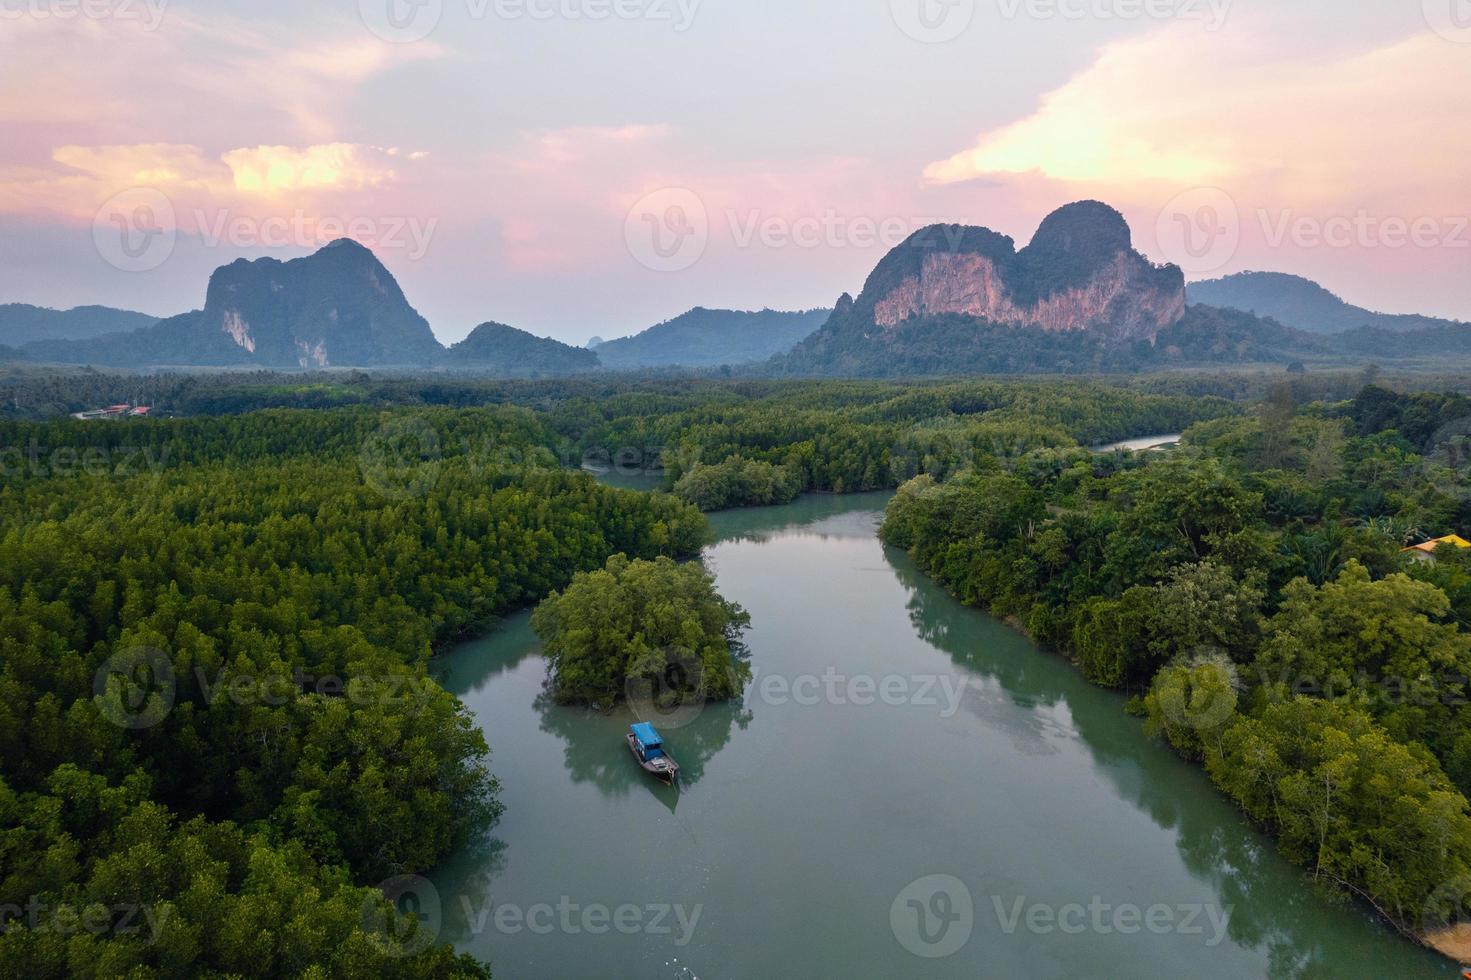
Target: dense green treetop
x,y
647,629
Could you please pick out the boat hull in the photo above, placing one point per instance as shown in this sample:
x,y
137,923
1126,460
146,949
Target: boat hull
x,y
667,772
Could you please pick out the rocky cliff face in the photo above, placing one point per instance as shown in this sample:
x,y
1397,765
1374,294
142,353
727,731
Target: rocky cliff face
x,y
336,308
339,306
1113,300
1080,273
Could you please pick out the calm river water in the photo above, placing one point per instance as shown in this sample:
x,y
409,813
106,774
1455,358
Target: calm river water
x,y
910,789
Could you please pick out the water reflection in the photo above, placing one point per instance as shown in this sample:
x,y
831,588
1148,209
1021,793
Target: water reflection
x,y
797,824
823,516
470,874
1275,908
596,751
511,643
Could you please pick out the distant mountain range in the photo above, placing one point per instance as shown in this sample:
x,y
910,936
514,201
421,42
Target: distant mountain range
x,y
22,324
340,307
951,299
1301,303
710,338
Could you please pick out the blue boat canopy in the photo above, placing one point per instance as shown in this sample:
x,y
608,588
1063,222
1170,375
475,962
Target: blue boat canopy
x,y
646,735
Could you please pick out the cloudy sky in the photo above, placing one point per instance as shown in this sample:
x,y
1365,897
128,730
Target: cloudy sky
x,y
580,167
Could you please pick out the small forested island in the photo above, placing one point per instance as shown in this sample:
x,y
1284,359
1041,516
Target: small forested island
x,y
737,482
654,627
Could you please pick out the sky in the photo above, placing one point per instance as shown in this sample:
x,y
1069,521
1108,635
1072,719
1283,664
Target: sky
x,y
593,167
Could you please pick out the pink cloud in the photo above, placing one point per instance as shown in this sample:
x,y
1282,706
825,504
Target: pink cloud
x,y
1311,164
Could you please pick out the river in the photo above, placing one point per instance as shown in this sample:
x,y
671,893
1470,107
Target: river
x,y
910,789
1141,443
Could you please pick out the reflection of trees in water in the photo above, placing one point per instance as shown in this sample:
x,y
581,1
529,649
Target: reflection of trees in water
x,y
472,666
1020,681
464,887
1274,908
821,515
597,749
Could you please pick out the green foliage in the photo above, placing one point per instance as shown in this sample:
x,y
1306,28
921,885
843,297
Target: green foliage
x,y
1205,605
656,625
1253,581
294,571
849,436
1111,638
737,482
1382,646
509,352
215,900
1348,801
1192,702
1222,581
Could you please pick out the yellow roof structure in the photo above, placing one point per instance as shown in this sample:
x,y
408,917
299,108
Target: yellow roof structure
x,y
1451,539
